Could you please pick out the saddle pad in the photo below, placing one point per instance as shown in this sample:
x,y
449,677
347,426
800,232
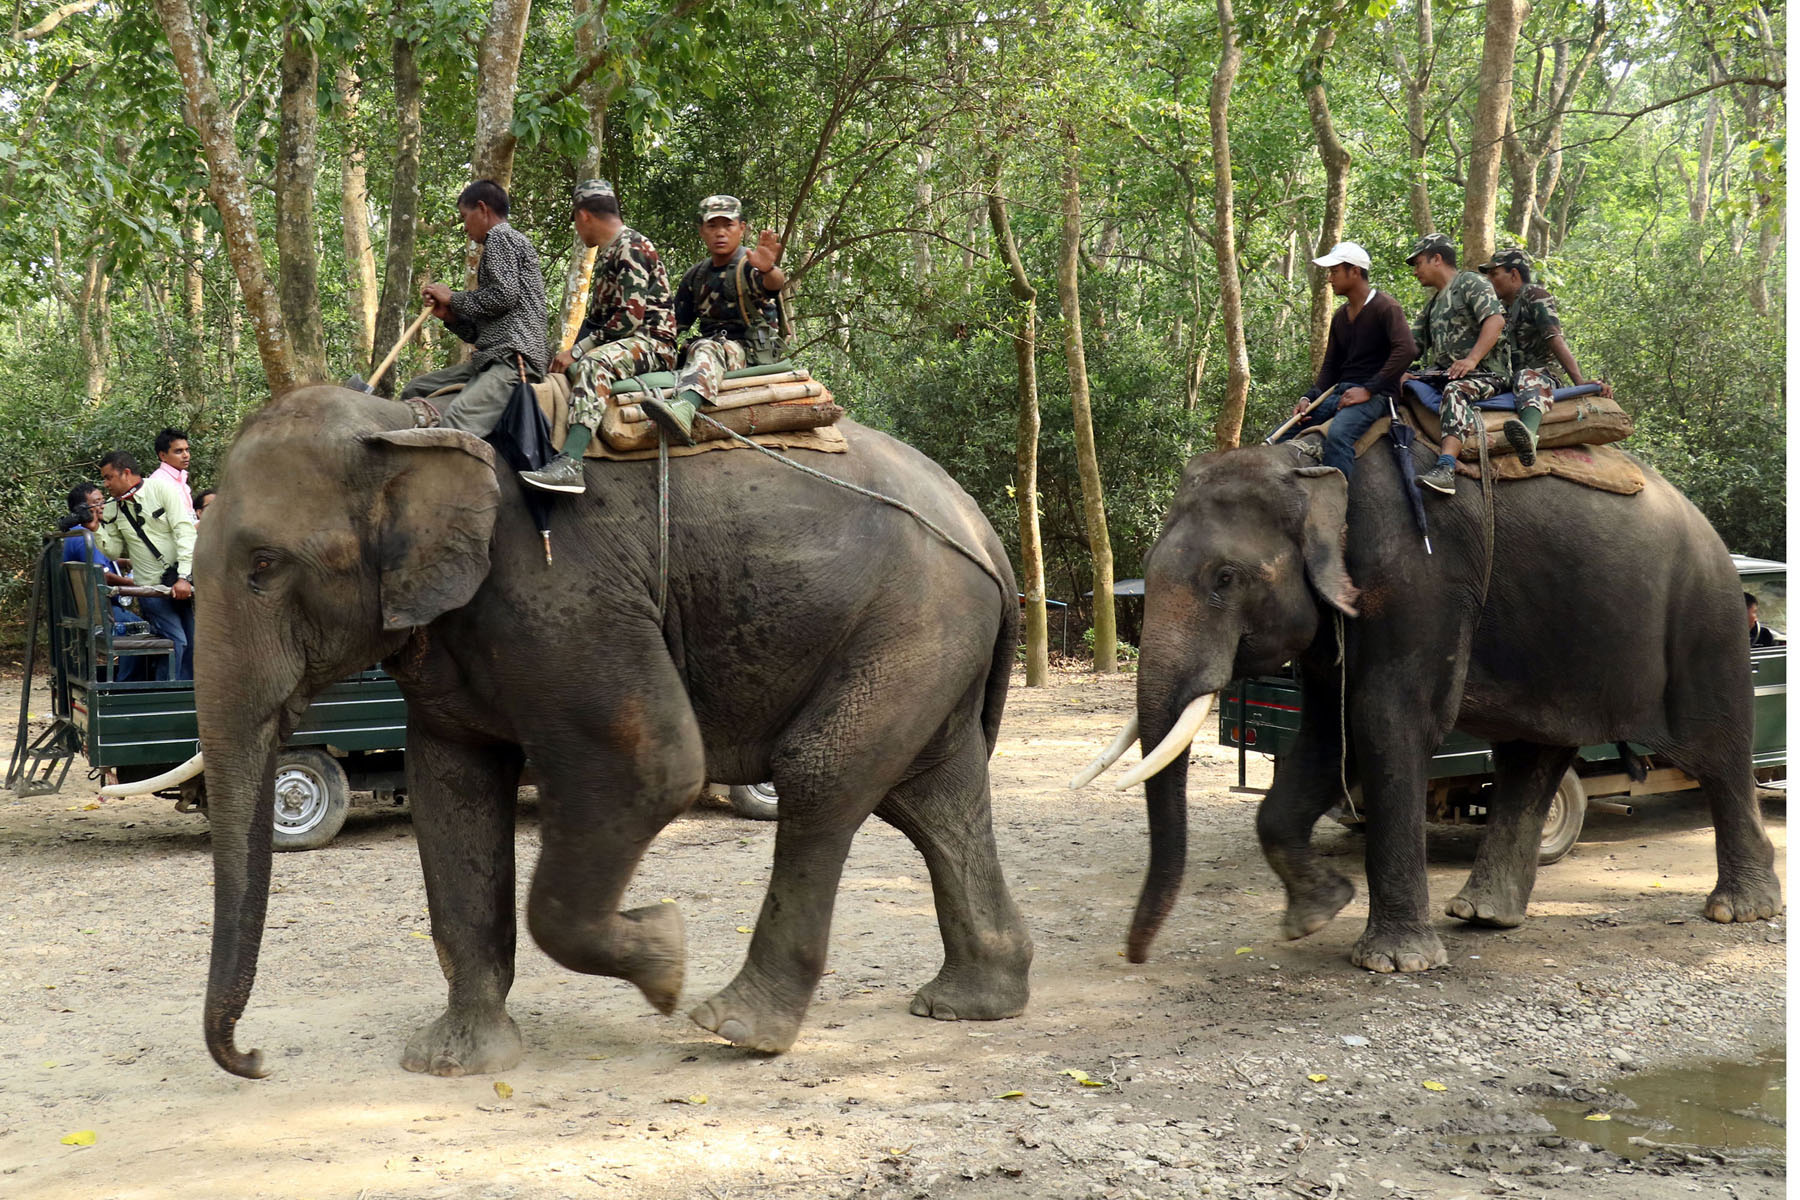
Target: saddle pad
x,y
1433,398
1604,468
1585,421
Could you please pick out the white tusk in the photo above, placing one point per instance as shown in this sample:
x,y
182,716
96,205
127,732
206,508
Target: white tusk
x,y
156,783
1108,756
1187,727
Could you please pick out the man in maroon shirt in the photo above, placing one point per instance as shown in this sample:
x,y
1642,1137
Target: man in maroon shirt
x,y
1370,345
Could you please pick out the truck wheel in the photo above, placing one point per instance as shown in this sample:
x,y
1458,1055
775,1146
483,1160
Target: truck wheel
x,y
1562,827
757,801
312,798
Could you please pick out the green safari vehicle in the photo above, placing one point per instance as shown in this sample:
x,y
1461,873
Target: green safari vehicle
x,y
1262,715
352,738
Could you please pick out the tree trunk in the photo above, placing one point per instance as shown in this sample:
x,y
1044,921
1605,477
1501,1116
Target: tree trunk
x,y
397,282
93,321
1700,197
595,95
1087,459
1336,160
1418,85
230,193
1488,130
922,195
296,172
193,280
1025,455
1230,425
359,255
496,84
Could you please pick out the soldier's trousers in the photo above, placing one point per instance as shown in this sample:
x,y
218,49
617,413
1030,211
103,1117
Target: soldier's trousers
x,y
608,363
1457,414
707,360
1534,389
478,407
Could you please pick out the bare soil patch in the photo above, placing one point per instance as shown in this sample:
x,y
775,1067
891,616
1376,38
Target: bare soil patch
x,y
1233,1064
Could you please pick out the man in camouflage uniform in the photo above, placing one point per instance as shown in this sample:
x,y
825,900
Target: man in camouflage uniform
x,y
708,293
1459,337
629,328
1534,338
503,318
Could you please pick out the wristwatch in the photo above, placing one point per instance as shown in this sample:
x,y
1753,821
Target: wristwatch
x,y
576,353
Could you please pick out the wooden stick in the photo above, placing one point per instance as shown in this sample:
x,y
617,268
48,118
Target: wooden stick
x,y
395,352
1293,420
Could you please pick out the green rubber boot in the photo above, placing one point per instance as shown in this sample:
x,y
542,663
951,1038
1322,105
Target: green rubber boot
x,y
675,416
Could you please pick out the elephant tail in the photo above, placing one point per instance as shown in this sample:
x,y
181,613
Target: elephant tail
x,y
1000,670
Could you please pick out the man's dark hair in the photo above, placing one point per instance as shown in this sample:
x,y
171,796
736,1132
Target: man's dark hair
x,y
1524,271
169,437
200,497
1448,254
599,206
485,191
1749,600
1363,271
78,497
122,461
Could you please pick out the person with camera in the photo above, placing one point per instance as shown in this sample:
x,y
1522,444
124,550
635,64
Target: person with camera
x,y
735,295
79,527
147,522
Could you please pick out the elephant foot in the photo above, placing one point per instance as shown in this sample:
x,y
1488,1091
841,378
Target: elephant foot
x,y
1487,906
1386,952
1311,910
745,1016
993,993
658,959
1750,898
455,1044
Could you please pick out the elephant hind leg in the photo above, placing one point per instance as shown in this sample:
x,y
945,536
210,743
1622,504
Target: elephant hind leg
x,y
1526,776
946,812
1748,889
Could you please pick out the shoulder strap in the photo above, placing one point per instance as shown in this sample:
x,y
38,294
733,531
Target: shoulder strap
x,y
142,535
743,272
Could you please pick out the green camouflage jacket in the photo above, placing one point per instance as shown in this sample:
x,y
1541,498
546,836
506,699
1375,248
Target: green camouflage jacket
x,y
1449,324
1530,325
708,294
631,294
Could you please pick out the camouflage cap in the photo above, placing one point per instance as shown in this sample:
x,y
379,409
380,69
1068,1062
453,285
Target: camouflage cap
x,y
721,206
1434,243
588,189
1512,258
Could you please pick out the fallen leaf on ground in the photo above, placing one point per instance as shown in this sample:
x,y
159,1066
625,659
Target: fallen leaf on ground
x,y
503,1090
699,1098
416,933
1318,1078
1598,1117
1432,1085
744,929
1014,1095
1242,950
81,1137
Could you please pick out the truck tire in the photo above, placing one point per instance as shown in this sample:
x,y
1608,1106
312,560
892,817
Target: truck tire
x,y
312,798
757,801
1562,825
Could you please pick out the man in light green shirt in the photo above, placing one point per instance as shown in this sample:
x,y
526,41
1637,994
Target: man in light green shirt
x,y
148,523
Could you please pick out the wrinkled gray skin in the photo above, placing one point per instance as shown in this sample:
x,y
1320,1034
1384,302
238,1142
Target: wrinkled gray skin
x,y
814,638
1609,618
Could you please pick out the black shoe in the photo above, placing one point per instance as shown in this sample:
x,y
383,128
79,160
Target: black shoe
x,y
560,474
1441,478
676,417
1522,440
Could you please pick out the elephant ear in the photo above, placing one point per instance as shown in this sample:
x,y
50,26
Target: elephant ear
x,y
1327,505
434,521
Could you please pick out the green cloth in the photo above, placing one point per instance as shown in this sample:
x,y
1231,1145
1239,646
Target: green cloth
x,y
160,507
577,440
668,379
1450,324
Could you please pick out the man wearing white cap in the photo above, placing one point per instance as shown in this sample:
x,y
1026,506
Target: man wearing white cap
x,y
1369,346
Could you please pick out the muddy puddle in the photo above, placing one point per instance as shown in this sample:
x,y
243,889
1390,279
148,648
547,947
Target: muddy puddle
x,y
1734,1109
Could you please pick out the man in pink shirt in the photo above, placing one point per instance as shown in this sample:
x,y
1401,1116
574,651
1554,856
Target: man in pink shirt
x,y
172,449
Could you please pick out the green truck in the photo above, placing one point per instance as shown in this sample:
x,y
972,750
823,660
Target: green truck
x,y
1262,715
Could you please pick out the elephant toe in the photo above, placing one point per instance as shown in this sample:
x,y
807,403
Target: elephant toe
x,y
454,1045
924,1006
1310,911
742,1024
1388,953
1759,900
1485,910
992,994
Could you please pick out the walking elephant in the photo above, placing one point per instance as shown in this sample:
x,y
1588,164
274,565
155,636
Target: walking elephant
x,y
1600,618
827,642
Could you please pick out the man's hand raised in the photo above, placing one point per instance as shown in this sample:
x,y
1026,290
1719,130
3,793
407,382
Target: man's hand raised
x,y
767,252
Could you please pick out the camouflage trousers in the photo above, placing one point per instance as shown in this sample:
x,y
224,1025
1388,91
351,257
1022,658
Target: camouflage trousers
x,y
1534,388
608,363
1457,414
707,361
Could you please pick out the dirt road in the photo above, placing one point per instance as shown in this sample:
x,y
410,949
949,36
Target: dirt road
x,y
1233,1064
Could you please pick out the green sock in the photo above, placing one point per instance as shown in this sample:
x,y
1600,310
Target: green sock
x,y
1530,418
576,442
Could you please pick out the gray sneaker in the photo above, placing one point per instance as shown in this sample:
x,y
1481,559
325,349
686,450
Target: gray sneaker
x,y
1441,477
1522,440
560,474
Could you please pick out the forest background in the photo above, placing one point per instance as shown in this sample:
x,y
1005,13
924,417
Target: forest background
x,y
1058,246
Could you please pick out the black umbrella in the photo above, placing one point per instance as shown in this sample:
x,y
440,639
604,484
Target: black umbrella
x,y
1402,444
522,439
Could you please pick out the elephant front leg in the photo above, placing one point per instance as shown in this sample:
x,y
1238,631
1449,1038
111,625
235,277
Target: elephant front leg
x,y
1398,936
462,802
1526,776
1307,783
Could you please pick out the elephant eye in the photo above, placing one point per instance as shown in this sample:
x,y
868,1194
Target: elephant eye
x,y
261,563
1224,577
